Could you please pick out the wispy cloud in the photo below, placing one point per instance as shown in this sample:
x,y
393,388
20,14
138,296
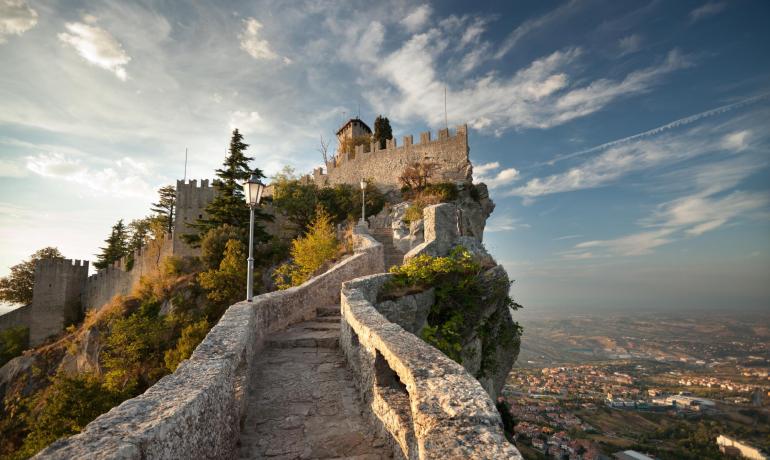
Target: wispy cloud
x,y
252,43
504,223
660,129
417,19
629,44
16,17
126,179
704,11
97,46
531,25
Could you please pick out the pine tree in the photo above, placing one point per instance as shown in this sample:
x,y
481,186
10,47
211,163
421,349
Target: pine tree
x,y
229,206
382,130
165,206
117,246
17,286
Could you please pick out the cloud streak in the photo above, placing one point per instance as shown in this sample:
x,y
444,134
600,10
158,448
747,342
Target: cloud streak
x,y
96,46
16,17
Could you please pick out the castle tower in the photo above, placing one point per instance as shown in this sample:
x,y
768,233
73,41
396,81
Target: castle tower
x,y
56,297
191,202
355,127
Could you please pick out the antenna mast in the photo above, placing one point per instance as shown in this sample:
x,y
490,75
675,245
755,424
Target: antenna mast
x,y
185,165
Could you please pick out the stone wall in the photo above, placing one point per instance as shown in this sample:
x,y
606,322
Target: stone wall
x,y
55,297
384,166
426,403
117,279
191,202
17,317
197,410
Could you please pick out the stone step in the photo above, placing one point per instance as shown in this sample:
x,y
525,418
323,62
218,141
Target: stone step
x,y
329,319
331,310
304,339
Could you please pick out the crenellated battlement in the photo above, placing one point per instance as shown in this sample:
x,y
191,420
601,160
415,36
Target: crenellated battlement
x,y
449,151
60,264
192,184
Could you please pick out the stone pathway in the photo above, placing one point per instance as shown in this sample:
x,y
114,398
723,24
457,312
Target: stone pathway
x,y
303,403
392,255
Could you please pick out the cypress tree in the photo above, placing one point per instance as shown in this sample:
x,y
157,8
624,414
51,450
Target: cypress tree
x,y
117,246
229,206
382,130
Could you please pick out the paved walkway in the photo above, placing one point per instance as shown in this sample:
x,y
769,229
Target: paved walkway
x,y
304,404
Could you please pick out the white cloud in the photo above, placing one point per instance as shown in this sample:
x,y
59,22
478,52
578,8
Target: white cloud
x,y
488,173
504,223
736,141
9,168
16,17
538,96
248,122
532,25
630,44
125,179
417,19
709,9
635,244
257,47
96,46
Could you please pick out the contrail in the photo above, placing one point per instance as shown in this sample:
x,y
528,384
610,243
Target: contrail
x,y
659,129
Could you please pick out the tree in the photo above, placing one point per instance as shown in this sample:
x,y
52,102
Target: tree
x,y
417,174
117,246
229,206
227,283
165,205
324,149
382,131
309,252
17,287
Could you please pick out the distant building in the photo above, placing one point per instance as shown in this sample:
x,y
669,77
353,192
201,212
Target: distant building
x,y
355,127
732,447
631,455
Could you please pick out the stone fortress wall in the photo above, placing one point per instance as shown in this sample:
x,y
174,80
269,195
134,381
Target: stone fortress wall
x,y
56,297
191,202
384,166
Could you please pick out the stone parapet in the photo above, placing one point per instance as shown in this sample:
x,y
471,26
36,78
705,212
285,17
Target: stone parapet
x,y
196,411
430,406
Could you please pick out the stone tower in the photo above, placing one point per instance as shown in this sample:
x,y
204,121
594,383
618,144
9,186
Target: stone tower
x,y
191,202
355,127
56,297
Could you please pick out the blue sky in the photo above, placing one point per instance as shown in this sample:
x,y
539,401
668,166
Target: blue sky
x,y
626,142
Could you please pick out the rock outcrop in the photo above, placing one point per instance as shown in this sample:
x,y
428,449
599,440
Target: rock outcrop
x,y
489,349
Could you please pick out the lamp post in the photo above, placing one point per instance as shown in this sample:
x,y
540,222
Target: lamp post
x,y
363,202
253,189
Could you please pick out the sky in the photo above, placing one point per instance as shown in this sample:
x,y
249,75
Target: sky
x,y
625,143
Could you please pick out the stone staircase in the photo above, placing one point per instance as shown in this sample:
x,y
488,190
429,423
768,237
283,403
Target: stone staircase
x,y
303,403
392,255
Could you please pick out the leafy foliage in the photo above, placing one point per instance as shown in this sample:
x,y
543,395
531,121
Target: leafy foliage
x,y
13,341
66,407
299,201
382,130
460,293
227,283
17,286
417,174
215,241
192,335
430,194
309,252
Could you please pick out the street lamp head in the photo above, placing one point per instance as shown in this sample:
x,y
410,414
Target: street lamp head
x,y
363,184
253,189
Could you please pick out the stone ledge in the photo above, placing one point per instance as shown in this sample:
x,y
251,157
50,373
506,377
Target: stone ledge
x,y
452,416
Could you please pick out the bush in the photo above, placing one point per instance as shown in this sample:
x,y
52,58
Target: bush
x,y
13,342
429,195
226,284
66,407
214,243
417,174
309,253
192,335
459,294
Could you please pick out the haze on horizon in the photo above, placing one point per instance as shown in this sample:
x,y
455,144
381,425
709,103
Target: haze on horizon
x,y
625,143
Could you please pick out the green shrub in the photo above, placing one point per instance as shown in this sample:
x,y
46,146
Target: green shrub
x,y
65,408
428,195
13,342
192,335
460,294
226,284
214,243
309,252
